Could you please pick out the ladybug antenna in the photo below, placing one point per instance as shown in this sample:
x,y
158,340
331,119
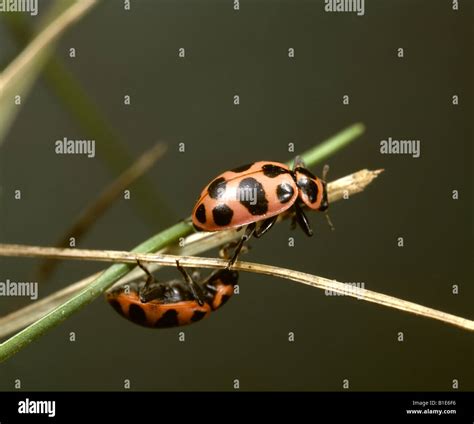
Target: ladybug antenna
x,y
298,162
325,171
328,219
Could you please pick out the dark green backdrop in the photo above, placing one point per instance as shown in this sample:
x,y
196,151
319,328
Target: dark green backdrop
x,y
282,101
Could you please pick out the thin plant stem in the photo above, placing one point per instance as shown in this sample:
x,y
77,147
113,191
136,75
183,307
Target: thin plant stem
x,y
193,244
116,271
330,146
192,261
87,295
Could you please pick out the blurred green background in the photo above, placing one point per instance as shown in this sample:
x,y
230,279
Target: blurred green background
x,y
282,100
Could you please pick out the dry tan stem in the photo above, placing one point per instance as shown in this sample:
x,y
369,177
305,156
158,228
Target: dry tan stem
x,y
194,244
191,261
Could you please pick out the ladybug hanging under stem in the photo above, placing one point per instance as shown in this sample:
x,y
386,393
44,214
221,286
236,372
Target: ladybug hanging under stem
x,y
178,302
254,195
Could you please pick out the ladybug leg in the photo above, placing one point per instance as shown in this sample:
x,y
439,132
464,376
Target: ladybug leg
x,y
265,226
224,252
194,287
302,220
250,230
146,293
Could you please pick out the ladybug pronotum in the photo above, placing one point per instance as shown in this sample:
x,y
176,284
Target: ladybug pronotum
x,y
254,195
174,303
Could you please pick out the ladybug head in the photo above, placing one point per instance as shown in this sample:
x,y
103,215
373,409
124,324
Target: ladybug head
x,y
312,190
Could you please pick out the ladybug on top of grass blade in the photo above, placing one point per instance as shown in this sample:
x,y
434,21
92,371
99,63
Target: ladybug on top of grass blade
x,y
254,195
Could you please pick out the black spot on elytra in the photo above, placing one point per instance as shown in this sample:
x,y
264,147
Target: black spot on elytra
x,y
198,316
116,305
136,314
309,188
169,319
252,195
304,171
222,214
200,213
242,168
217,187
284,192
273,171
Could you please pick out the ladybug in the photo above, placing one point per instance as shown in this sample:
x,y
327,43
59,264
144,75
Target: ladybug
x,y
254,195
175,303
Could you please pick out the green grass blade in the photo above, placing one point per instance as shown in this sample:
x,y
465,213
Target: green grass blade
x,y
157,242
